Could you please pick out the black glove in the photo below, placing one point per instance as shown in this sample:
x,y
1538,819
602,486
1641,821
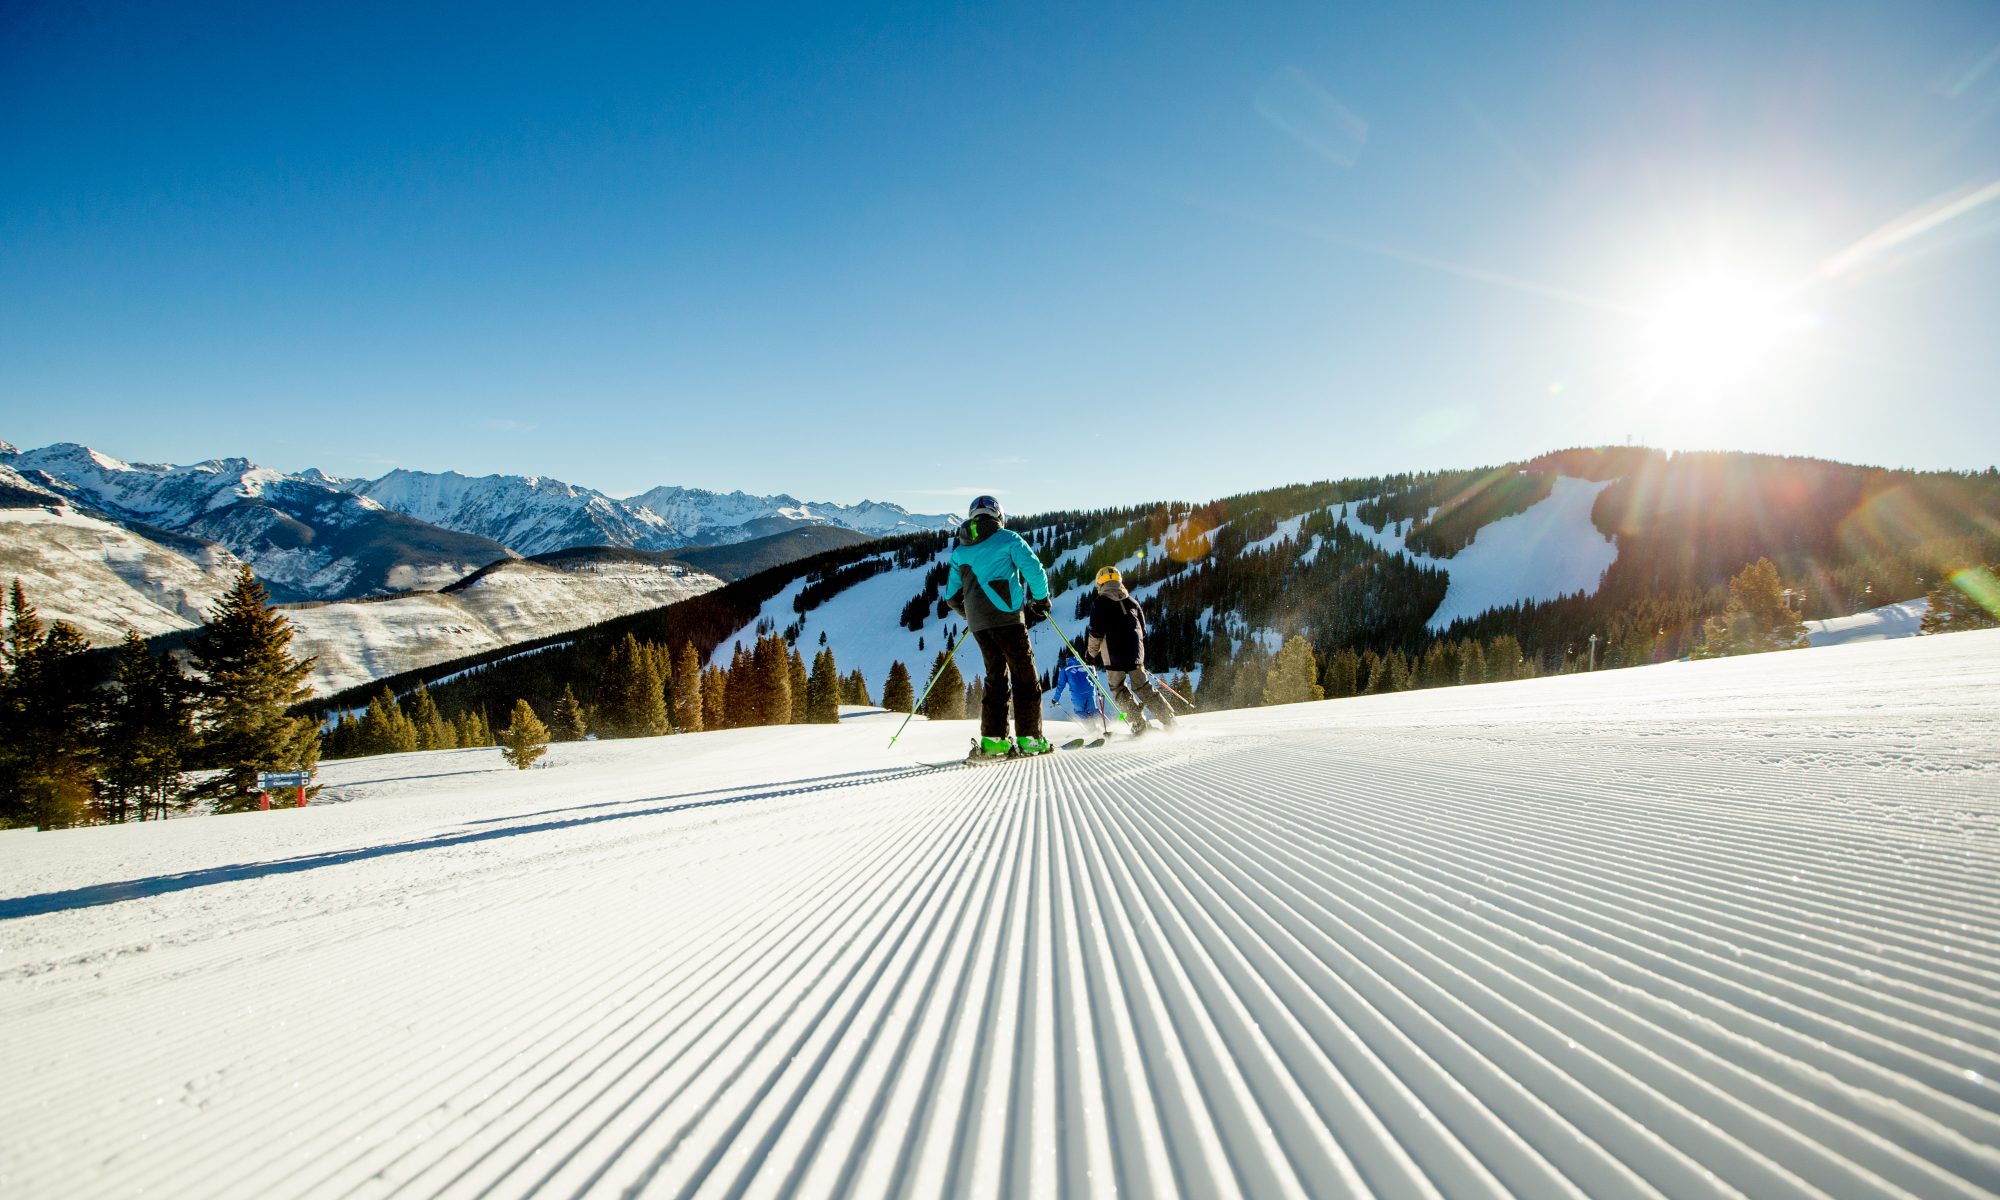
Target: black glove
x,y
1037,611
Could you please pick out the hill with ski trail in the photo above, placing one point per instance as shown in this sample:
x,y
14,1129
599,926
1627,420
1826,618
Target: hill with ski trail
x,y
1720,928
1550,550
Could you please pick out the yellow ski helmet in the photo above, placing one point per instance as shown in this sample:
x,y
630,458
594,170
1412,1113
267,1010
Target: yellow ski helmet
x,y
1108,575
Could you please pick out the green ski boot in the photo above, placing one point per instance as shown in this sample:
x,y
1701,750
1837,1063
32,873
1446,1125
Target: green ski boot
x,y
1025,747
988,749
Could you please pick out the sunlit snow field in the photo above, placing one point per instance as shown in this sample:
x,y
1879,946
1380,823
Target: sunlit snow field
x,y
1727,928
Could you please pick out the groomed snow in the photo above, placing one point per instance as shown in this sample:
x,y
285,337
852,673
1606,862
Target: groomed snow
x,y
1889,621
1723,928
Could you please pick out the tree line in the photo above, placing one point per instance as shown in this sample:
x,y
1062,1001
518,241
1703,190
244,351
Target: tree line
x,y
152,740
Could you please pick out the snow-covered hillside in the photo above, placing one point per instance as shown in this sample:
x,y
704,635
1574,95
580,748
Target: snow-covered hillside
x,y
1725,928
862,624
359,641
105,579
1549,550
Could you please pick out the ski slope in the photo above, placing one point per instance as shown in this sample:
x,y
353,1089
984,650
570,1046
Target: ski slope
x,y
1549,550
1708,929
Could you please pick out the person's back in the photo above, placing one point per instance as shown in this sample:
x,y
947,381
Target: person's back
x,y
1118,638
999,587
994,573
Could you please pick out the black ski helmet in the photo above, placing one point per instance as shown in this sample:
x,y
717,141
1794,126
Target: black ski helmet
x,y
988,505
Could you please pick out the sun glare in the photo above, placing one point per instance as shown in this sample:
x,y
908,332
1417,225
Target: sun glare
x,y
1718,331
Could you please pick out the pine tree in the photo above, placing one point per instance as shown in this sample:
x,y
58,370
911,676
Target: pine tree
x,y
148,735
525,739
688,687
566,723
1294,674
1503,659
344,739
1433,670
384,728
946,701
823,690
634,693
745,690
796,683
771,673
715,698
646,701
1374,674
471,730
897,694
1965,599
975,696
1343,673
1246,688
1471,663
1759,617
49,714
857,689
431,733
250,680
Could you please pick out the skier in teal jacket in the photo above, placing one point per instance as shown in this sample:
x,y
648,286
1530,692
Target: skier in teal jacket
x,y
999,587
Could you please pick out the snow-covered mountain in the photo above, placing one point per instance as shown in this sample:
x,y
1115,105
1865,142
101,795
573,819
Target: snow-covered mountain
x,y
530,514
306,538
722,517
535,514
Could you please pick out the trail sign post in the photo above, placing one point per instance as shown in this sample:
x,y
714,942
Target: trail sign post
x,y
282,779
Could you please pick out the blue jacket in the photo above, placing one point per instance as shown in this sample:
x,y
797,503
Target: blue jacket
x,y
1075,688
993,575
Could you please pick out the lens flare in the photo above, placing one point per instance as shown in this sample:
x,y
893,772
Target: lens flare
x,y
1980,587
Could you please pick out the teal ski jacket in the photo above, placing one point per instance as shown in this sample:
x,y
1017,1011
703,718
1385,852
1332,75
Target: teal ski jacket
x,y
993,575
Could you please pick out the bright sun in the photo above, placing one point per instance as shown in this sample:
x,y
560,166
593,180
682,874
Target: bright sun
x,y
1717,332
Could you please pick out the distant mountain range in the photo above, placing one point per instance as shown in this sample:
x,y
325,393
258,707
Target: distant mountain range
x,y
110,545
535,515
313,536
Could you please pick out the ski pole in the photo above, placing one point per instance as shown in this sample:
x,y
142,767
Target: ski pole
x,y
1101,693
935,676
1171,692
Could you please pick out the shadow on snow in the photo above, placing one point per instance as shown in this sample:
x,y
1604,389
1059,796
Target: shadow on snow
x,y
160,885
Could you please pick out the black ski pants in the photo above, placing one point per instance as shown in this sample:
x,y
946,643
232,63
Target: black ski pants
x,y
1010,669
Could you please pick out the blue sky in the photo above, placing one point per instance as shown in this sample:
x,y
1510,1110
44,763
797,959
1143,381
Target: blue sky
x,y
1074,254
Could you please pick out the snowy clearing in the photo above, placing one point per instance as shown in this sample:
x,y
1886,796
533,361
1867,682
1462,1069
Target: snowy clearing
x,y
1889,621
1721,928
